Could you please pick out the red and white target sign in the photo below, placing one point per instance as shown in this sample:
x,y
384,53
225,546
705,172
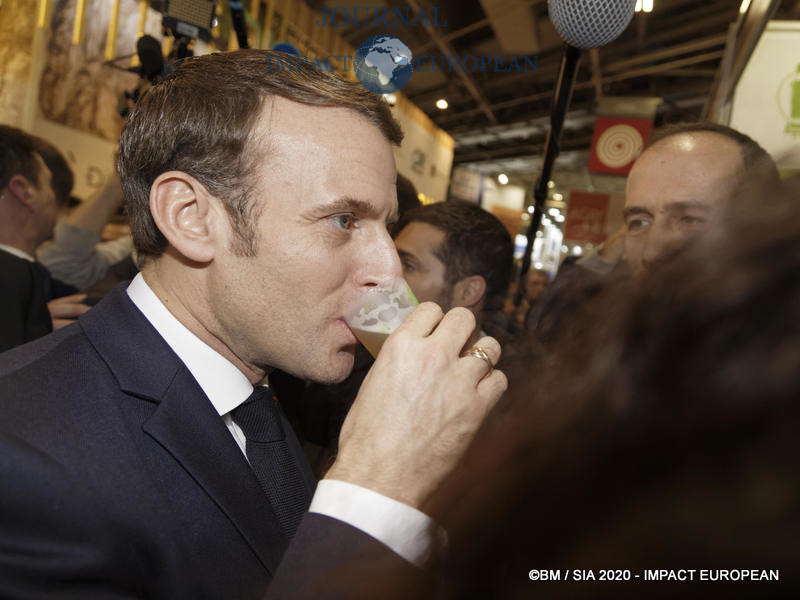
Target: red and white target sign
x,y
617,142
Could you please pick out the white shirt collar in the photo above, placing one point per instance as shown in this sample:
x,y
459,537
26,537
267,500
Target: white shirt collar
x,y
224,384
17,252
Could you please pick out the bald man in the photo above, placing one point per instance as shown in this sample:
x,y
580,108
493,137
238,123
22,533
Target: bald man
x,y
676,186
672,193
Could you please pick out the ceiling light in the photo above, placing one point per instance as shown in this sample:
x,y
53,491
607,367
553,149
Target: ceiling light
x,y
553,212
560,218
502,178
442,104
745,5
558,197
551,184
530,209
647,6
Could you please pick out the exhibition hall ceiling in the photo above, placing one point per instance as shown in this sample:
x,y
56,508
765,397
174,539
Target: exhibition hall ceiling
x,y
498,115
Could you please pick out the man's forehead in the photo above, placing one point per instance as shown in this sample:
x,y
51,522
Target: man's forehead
x,y
281,116
419,238
685,168
319,149
697,145
423,231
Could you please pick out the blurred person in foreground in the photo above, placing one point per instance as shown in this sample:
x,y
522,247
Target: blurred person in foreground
x,y
140,454
663,435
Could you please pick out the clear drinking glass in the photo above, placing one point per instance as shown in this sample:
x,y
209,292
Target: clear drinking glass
x,y
379,311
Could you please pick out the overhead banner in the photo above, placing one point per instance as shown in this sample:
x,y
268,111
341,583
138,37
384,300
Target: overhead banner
x,y
621,131
586,217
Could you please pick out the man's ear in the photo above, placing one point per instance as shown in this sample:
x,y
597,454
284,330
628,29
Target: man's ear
x,y
468,292
187,214
20,188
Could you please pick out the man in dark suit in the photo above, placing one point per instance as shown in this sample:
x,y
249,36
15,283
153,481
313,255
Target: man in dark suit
x,y
28,212
140,456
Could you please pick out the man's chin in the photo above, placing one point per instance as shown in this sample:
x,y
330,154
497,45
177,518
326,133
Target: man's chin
x,y
339,367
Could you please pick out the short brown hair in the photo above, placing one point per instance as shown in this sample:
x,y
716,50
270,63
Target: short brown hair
x,y
476,243
62,178
17,156
200,121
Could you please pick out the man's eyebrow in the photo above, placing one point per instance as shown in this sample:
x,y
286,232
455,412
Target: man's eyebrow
x,y
348,204
688,206
404,254
635,210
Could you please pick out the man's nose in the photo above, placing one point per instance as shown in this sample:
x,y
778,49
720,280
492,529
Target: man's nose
x,y
379,260
662,240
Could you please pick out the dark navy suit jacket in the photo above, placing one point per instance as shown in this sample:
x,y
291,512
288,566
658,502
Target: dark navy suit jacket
x,y
23,306
119,479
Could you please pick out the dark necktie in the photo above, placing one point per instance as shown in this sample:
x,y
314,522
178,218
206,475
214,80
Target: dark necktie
x,y
277,468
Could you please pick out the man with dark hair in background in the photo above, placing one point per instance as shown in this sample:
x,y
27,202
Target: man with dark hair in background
x,y
143,455
29,208
456,254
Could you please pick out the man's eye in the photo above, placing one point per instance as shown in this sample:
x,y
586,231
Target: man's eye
x,y
344,222
636,224
692,220
407,266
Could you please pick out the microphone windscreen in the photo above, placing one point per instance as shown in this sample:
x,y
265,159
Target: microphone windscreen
x,y
149,50
590,23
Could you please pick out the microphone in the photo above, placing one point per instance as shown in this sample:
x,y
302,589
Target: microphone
x,y
590,23
239,22
583,24
151,60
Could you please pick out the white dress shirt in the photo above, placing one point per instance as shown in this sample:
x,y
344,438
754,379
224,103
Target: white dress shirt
x,y
17,252
407,531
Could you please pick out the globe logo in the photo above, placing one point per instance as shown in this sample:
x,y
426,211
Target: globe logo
x,y
383,64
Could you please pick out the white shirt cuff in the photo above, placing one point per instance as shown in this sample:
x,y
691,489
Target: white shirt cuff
x,y
405,530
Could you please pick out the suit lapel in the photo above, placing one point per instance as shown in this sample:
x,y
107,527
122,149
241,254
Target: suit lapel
x,y
189,428
185,422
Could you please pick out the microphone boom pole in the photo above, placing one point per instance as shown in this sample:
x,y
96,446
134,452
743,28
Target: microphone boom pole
x,y
566,81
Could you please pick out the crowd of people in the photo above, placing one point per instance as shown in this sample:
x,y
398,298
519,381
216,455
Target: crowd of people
x,y
211,427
